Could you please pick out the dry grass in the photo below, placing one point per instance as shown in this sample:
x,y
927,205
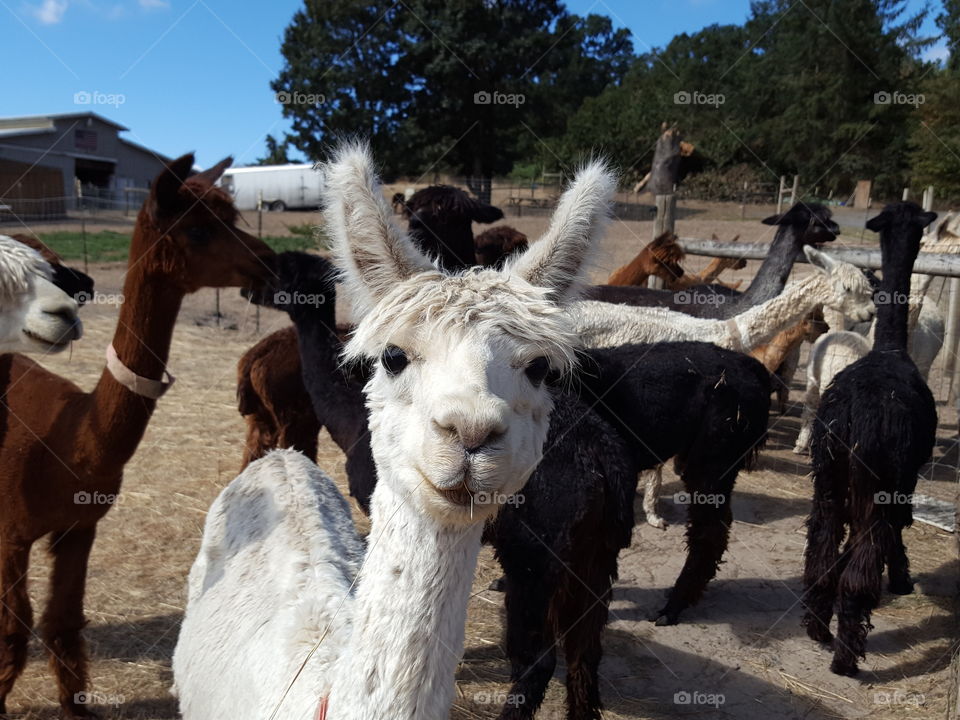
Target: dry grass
x,y
743,641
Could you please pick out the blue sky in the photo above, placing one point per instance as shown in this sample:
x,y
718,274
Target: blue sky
x,y
194,74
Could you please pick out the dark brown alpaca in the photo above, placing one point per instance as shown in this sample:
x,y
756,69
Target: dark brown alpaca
x,y
63,450
272,399
492,247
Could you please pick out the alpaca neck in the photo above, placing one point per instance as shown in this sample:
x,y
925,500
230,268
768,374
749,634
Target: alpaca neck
x,y
761,322
772,275
317,333
409,615
148,314
892,315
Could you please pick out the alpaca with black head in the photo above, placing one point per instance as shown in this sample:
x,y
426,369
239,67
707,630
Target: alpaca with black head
x,y
632,408
803,225
302,386
441,218
874,429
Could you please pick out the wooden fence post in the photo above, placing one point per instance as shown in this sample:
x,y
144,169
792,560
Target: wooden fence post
x,y
780,192
794,190
664,221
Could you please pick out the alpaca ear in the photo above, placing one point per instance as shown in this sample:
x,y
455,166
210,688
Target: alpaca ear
x,y
820,260
925,218
372,252
772,220
558,259
164,199
213,174
876,224
486,214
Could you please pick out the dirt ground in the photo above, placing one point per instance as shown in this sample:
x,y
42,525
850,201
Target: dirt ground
x,y
740,653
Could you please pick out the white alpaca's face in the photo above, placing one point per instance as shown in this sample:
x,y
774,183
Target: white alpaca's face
x,y
458,408
850,291
459,416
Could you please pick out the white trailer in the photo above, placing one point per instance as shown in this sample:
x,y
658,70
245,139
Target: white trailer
x,y
283,186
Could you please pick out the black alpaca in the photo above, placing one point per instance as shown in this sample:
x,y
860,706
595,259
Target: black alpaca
x,y
304,288
559,549
704,405
803,224
875,428
440,221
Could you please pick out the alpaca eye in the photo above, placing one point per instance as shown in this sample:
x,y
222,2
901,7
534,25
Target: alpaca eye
x,y
537,370
394,360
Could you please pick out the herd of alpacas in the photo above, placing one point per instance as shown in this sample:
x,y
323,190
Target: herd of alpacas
x,y
478,368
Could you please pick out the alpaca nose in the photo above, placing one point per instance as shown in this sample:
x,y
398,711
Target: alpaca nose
x,y
473,436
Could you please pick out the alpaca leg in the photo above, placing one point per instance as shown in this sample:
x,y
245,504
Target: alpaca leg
x,y
822,564
708,530
261,438
582,618
63,618
897,563
858,594
811,401
300,433
651,493
16,616
531,645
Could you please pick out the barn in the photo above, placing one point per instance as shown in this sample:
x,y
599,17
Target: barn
x,y
46,159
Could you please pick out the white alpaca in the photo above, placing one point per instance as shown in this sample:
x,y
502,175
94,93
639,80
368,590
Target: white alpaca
x,y
832,352
834,284
35,315
284,608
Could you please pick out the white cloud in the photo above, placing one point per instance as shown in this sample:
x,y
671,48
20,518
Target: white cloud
x,y
51,12
154,4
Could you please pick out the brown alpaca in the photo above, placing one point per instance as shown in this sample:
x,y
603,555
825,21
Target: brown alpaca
x,y
711,272
780,350
660,258
272,399
63,450
492,247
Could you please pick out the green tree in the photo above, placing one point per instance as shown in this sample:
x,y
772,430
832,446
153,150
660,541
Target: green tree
x,y
935,142
470,85
276,153
949,22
